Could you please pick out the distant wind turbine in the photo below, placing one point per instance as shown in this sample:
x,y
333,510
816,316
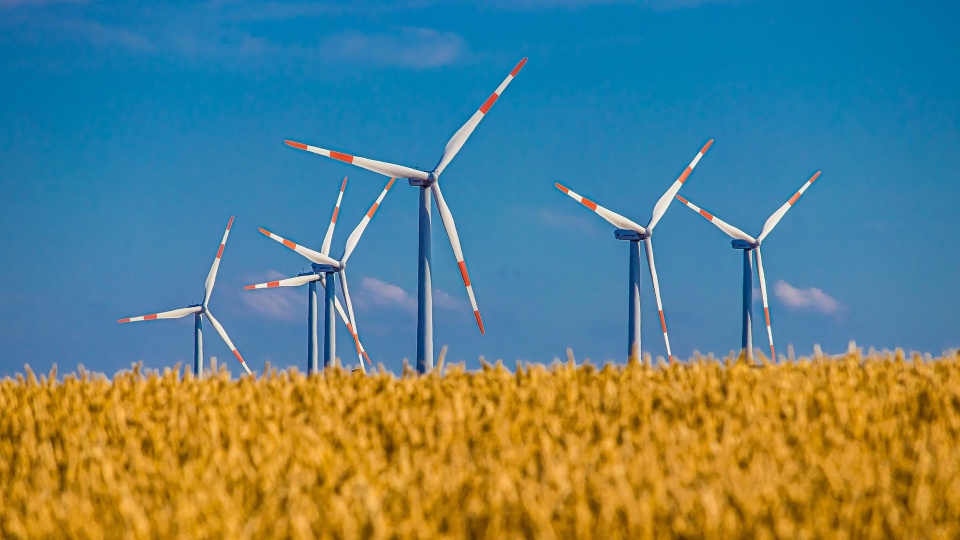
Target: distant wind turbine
x,y
428,182
634,233
324,264
331,301
749,244
198,311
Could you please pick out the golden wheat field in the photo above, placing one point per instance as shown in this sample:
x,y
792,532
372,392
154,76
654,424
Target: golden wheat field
x,y
828,447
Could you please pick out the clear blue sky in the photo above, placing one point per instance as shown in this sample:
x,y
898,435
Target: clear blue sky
x,y
130,132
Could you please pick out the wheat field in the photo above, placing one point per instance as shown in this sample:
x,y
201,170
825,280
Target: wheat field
x,y
840,447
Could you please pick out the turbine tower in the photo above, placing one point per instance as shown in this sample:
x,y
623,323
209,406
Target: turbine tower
x,y
324,264
634,233
198,311
330,298
428,182
750,245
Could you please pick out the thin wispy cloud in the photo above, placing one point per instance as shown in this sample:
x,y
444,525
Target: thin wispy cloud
x,y
280,304
417,48
810,298
375,293
567,220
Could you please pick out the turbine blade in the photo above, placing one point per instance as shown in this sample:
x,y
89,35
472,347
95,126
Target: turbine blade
x,y
173,314
778,215
288,282
656,292
346,321
460,137
353,321
362,226
451,228
667,197
314,256
766,308
731,231
613,218
382,167
325,248
212,276
226,339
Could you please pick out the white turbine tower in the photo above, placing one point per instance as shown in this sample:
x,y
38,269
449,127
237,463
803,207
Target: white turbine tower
x,y
324,264
749,244
198,311
428,182
331,301
634,233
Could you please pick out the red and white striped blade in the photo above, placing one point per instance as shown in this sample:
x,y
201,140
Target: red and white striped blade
x,y
778,215
731,231
353,322
613,218
226,339
451,228
346,321
325,248
173,314
314,256
667,197
766,307
212,276
460,137
382,167
354,237
656,292
288,282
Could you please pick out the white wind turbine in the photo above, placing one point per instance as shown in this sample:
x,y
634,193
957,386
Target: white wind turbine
x,y
633,232
749,244
331,301
428,182
198,311
324,264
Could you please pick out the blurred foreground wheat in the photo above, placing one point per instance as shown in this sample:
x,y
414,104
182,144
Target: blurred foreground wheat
x,y
831,447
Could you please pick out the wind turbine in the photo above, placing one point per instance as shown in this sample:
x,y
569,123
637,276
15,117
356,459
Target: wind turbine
x,y
331,301
428,182
324,264
749,244
634,233
198,311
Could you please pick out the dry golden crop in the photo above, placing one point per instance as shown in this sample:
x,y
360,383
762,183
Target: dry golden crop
x,y
844,447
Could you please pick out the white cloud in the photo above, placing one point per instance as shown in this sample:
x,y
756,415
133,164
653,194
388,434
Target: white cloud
x,y
380,294
417,48
281,303
810,298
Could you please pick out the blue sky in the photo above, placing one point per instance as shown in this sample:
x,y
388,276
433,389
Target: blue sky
x,y
130,132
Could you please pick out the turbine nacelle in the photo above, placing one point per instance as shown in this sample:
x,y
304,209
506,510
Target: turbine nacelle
x,y
324,268
627,234
424,182
743,244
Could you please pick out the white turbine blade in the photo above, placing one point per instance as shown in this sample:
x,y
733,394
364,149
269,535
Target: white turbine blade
x,y
173,314
314,256
766,308
613,218
656,292
346,321
362,226
731,231
667,197
226,339
382,167
353,321
212,276
460,137
288,282
451,228
325,248
778,215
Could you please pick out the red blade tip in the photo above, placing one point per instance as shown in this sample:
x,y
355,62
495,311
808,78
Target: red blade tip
x,y
295,144
248,287
518,68
706,146
479,321
264,231
561,187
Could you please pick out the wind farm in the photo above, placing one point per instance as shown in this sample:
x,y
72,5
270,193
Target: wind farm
x,y
381,394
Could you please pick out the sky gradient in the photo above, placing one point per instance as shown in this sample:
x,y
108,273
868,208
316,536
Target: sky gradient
x,y
130,133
